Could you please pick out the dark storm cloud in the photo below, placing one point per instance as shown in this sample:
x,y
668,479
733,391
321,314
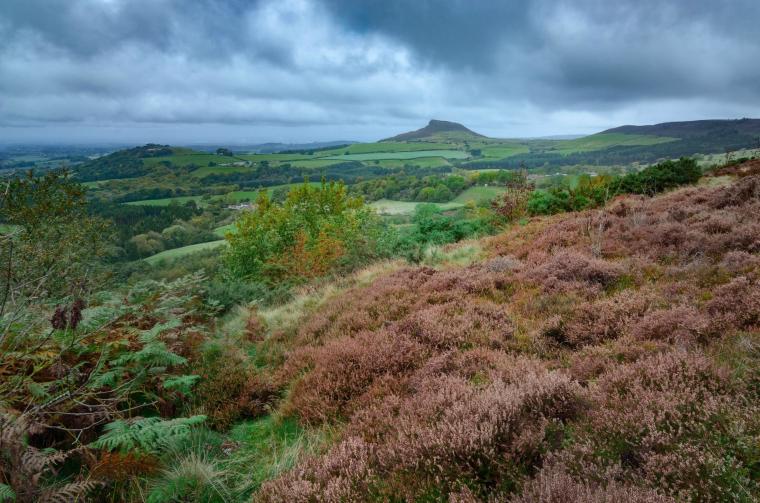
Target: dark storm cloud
x,y
586,50
363,69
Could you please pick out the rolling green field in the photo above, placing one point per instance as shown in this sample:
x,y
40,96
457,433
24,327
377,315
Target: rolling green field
x,y
275,157
307,162
197,158
606,140
168,200
185,250
422,162
448,154
389,207
230,197
476,194
94,184
709,159
224,229
500,152
315,163
367,148
218,170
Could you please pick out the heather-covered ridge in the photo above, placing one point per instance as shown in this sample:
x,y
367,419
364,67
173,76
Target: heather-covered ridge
x,y
605,355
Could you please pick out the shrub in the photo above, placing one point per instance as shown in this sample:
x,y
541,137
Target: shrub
x,y
591,192
678,325
346,368
660,177
554,485
669,421
229,389
315,231
458,324
513,204
736,304
601,320
448,432
566,268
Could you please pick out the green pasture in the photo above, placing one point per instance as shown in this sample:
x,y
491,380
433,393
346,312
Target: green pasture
x,y
448,154
275,157
606,140
6,228
184,250
390,207
314,163
420,162
230,197
500,152
197,159
167,201
369,148
224,229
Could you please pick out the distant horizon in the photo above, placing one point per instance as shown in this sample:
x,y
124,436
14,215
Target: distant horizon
x,y
242,143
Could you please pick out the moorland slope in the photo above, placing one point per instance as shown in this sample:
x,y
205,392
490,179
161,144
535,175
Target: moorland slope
x,y
605,355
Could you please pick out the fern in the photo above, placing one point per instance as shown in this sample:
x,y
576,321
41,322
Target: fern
x,y
109,378
183,384
37,390
150,434
75,491
6,493
154,354
151,335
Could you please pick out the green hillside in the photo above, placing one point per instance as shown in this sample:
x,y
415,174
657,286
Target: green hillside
x,y
160,174
437,130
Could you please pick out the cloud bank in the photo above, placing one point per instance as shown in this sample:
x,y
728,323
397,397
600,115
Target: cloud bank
x,y
300,70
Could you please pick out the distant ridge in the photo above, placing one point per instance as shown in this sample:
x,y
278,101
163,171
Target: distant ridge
x,y
692,129
438,129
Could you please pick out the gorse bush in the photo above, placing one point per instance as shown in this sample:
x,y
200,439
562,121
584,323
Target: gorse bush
x,y
588,193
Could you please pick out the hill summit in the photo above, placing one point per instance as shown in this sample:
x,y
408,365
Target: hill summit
x,y
693,129
438,130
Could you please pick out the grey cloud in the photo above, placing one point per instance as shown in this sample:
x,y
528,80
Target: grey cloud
x,y
373,67
586,51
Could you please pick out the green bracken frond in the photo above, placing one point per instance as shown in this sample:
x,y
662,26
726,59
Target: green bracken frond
x,y
6,493
150,434
183,384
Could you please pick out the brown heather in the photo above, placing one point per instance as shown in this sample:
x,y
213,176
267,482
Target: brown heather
x,y
553,485
604,356
445,429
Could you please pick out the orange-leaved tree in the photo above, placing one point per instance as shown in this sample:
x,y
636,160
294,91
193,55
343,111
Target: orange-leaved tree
x,y
316,230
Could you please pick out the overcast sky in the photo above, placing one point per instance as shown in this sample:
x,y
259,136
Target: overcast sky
x,y
245,71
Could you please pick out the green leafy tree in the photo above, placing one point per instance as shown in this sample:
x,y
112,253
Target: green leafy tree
x,y
316,230
56,247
